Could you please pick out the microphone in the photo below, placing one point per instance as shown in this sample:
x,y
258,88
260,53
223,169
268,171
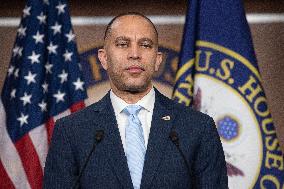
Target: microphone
x,y
174,138
98,138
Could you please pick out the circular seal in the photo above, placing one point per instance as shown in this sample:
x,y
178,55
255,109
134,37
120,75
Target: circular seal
x,y
227,87
237,127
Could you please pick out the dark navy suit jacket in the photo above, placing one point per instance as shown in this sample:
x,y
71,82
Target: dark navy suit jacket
x,y
164,166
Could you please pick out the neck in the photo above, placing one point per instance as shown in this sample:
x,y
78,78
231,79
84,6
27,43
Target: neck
x,y
131,97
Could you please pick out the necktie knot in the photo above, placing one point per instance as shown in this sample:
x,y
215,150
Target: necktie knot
x,y
132,110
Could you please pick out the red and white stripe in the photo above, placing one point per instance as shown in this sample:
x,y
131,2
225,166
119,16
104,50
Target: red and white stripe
x,y
22,163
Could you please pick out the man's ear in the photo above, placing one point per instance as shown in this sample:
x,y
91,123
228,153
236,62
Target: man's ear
x,y
103,58
159,60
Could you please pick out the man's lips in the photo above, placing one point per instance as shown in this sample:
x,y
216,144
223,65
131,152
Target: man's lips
x,y
135,69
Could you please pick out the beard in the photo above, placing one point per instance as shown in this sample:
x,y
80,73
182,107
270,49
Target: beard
x,y
135,89
122,84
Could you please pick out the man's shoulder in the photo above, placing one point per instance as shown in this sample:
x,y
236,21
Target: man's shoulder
x,y
187,121
84,115
182,111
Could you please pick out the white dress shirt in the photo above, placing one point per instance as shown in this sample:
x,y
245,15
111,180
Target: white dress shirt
x,y
144,115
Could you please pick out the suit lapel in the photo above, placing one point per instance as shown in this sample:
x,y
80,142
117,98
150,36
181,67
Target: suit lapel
x,y
159,137
113,145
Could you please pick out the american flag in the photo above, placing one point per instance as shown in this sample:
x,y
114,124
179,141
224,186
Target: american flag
x,y
43,84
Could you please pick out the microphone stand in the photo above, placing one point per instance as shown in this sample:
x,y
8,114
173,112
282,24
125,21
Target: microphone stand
x,y
174,138
98,138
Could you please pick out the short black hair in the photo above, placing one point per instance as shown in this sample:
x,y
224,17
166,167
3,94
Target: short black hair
x,y
108,28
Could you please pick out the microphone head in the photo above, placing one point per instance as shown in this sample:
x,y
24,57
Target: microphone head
x,y
99,135
173,136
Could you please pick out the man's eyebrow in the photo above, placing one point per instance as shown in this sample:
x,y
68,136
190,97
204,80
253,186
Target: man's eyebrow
x,y
145,39
122,38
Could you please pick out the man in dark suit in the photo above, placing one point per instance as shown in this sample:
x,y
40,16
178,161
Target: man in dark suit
x,y
140,138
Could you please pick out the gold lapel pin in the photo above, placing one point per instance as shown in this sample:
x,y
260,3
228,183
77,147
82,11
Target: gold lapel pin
x,y
166,118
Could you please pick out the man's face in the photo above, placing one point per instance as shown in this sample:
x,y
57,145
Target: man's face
x,y
130,54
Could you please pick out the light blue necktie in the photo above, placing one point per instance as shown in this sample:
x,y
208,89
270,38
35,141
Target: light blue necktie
x,y
135,145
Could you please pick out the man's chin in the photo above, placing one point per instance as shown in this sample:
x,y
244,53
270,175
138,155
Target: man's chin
x,y
136,88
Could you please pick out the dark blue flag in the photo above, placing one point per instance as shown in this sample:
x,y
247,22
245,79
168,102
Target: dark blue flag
x,y
43,83
218,75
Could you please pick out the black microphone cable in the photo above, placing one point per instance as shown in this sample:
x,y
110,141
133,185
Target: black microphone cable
x,y
174,138
98,138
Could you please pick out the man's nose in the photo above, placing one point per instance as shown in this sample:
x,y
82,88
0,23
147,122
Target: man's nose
x,y
134,52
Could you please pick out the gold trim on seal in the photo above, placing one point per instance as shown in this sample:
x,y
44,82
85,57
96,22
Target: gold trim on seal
x,y
222,49
231,53
184,68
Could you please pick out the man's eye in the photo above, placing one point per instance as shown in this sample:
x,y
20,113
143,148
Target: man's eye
x,y
146,45
123,45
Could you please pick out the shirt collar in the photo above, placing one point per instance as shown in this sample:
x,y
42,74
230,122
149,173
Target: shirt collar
x,y
147,102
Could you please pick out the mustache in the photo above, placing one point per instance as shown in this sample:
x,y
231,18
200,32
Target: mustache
x,y
135,66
